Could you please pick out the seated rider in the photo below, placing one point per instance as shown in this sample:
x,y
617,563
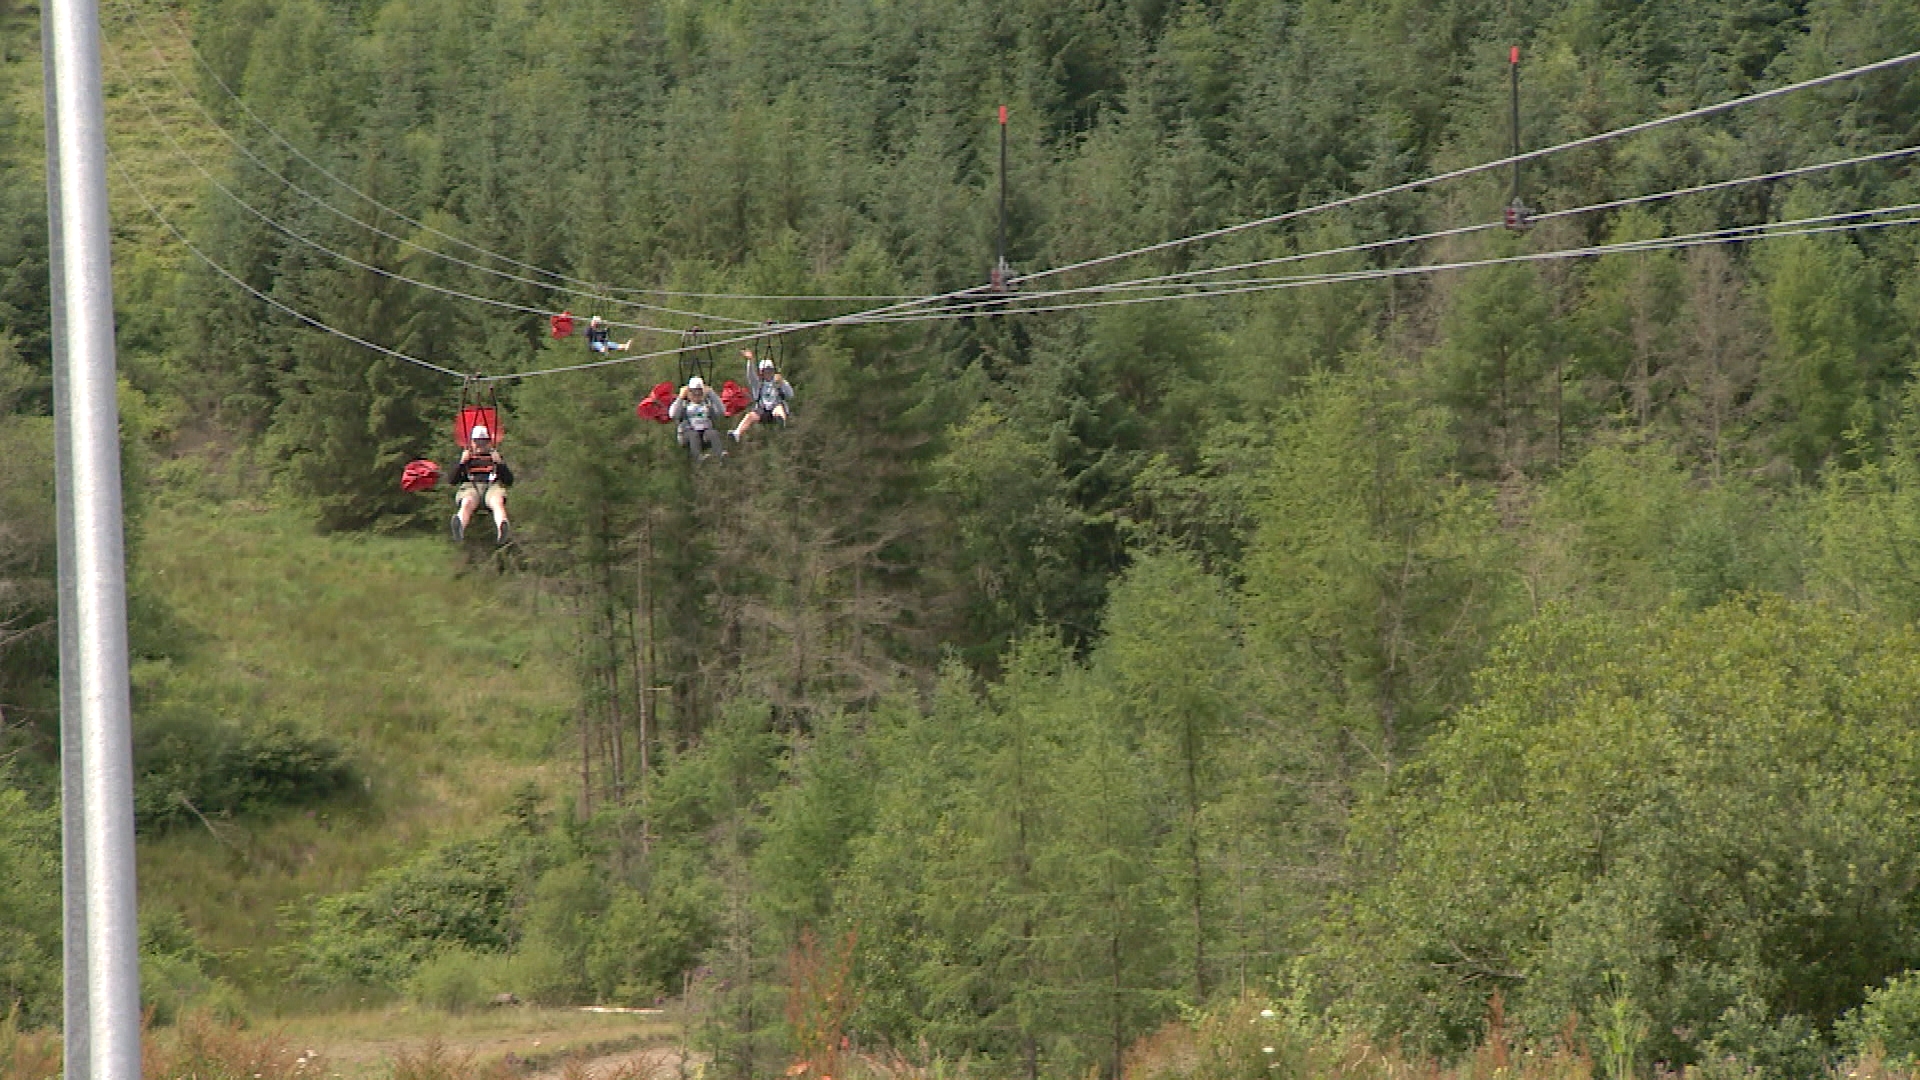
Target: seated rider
x,y
600,339
769,392
699,411
481,476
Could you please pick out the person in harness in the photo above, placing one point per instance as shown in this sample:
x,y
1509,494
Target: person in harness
x,y
600,339
769,392
481,476
699,412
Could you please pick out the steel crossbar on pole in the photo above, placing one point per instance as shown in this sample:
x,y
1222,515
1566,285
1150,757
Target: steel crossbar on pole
x,y
102,1005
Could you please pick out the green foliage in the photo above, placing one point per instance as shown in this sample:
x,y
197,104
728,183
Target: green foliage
x,y
457,979
174,976
1887,1022
462,895
188,767
1707,809
29,906
1375,577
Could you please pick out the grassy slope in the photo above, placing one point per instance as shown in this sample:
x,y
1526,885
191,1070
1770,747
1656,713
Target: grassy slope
x,y
439,680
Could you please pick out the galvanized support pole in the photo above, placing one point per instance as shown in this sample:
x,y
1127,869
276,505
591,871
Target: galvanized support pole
x,y
73,861
1000,269
94,578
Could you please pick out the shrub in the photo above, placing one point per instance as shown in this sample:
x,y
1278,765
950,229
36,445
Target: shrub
x,y
174,976
644,942
1717,810
459,979
29,908
461,895
543,974
187,762
1889,1022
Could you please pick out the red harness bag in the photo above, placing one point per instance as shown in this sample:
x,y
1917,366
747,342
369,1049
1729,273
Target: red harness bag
x,y
561,324
419,475
473,416
733,397
655,405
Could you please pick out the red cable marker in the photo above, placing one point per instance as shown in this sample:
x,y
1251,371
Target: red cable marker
x,y
1003,108
1513,57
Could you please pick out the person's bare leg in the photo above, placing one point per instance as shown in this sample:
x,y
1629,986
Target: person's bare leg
x,y
746,424
497,506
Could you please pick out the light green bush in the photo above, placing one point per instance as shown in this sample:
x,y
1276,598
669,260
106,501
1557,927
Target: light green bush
x,y
1890,1020
459,979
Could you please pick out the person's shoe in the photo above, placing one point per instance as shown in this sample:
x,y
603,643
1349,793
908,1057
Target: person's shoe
x,y
734,433
459,531
502,532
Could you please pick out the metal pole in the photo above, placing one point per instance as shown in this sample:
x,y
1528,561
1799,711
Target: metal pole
x,y
1513,80
1000,248
96,575
73,862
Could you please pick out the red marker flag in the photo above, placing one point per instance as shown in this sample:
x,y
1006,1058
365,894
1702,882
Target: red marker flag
x,y
1003,116
1513,57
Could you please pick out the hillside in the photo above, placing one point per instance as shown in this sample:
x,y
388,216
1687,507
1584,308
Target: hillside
x,y
1303,628
437,678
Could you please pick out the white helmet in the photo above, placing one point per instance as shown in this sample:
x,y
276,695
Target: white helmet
x,y
480,432
696,383
766,364
595,321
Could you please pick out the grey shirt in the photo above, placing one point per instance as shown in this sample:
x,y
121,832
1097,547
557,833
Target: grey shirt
x,y
702,415
766,393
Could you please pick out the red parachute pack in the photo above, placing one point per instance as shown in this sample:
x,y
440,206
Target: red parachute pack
x,y
419,475
561,325
655,405
473,416
733,397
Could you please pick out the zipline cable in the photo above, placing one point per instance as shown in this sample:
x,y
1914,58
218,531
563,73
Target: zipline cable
x,y
877,314
1470,170
207,65
187,156
1183,278
1738,234
1350,200
127,176
1734,235
246,151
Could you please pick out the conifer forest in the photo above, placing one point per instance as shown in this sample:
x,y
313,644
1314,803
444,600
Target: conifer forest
x,y
1371,631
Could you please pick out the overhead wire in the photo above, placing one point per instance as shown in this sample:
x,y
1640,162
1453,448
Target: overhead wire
x,y
127,176
886,313
601,287
133,17
293,234
1184,279
1737,234
1471,170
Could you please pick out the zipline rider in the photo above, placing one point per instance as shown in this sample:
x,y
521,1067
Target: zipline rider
x,y
481,476
600,339
769,391
699,413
